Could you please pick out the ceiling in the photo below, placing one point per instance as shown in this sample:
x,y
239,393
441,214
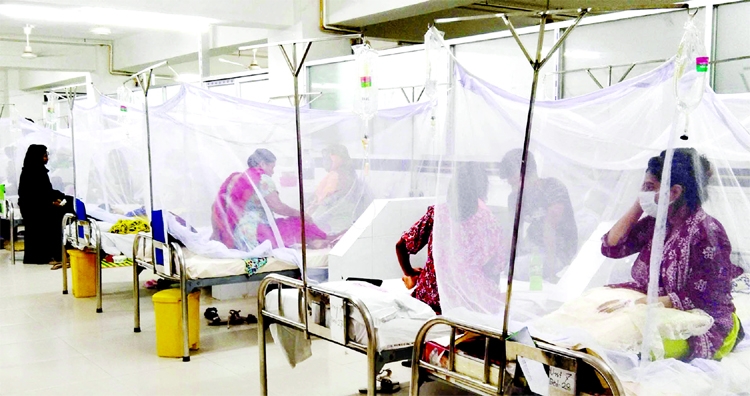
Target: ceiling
x,y
411,28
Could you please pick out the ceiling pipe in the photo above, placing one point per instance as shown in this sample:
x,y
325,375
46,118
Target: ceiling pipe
x,y
110,50
325,27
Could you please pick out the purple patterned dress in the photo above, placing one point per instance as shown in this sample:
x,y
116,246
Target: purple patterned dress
x,y
695,271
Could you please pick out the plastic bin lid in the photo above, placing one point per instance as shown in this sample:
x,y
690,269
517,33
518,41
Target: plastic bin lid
x,y
167,296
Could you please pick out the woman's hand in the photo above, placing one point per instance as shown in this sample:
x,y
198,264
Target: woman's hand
x,y
410,280
614,305
57,202
664,300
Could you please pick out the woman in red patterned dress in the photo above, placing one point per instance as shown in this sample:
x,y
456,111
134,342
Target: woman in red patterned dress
x,y
468,245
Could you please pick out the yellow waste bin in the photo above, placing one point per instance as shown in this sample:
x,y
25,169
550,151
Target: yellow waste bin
x,y
83,267
168,311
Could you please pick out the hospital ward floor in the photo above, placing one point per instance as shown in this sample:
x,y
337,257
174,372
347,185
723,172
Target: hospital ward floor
x,y
55,344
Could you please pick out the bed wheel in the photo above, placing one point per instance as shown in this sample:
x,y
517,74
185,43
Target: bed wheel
x,y
137,330
65,292
99,310
186,358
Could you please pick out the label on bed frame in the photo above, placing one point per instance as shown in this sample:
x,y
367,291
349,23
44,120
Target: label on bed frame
x,y
337,322
561,381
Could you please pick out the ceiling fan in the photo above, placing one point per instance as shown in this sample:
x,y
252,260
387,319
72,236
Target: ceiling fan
x,y
252,66
28,53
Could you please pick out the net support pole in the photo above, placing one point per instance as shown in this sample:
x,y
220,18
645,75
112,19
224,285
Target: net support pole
x,y
144,80
536,65
70,93
295,67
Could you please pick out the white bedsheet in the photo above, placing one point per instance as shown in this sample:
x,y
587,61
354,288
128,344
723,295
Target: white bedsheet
x,y
397,316
730,376
199,267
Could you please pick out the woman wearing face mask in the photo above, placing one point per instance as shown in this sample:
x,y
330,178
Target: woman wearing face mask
x,y
695,269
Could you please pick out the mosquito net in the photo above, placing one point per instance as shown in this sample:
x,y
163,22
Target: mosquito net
x,y
212,154
18,134
111,158
590,216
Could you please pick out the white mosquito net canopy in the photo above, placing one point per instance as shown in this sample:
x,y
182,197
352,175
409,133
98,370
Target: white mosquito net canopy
x,y
212,154
612,160
111,158
18,135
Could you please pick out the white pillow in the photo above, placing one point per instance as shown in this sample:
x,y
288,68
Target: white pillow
x,y
621,330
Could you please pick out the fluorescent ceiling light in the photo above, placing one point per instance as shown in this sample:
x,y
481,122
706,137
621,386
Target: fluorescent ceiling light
x,y
106,17
102,31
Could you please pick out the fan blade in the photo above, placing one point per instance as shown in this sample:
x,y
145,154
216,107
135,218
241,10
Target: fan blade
x,y
232,63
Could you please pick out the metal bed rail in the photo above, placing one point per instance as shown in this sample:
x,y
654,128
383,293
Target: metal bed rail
x,y
91,239
10,214
544,353
177,260
143,246
266,318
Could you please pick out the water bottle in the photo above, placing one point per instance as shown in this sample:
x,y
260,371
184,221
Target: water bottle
x,y
536,271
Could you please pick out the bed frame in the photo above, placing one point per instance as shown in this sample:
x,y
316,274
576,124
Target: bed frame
x,y
547,354
142,258
10,215
91,239
375,360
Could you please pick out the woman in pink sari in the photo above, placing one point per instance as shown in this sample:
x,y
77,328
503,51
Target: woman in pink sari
x,y
238,217
695,272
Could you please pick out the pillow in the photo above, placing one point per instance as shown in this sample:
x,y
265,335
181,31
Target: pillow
x,y
621,330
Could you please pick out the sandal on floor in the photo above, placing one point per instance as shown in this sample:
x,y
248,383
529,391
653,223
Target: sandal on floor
x,y
56,265
251,319
235,318
212,314
384,384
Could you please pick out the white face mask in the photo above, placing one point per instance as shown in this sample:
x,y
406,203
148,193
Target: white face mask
x,y
647,199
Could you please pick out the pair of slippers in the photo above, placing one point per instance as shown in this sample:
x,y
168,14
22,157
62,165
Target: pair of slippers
x,y
212,315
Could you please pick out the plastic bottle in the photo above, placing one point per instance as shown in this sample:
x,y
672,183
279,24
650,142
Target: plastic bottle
x,y
536,271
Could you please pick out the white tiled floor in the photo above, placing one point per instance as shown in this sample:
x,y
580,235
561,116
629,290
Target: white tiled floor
x,y
55,344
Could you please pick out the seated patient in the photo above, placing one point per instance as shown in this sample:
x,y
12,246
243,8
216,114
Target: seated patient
x,y
695,271
547,211
467,246
341,196
239,219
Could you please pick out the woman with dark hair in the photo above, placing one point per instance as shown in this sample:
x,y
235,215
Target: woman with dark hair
x,y
239,218
42,209
695,270
341,197
467,241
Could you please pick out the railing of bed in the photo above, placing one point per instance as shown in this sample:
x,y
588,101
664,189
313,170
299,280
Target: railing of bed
x,y
341,306
557,359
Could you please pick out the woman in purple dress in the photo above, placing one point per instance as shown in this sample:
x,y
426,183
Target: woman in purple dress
x,y
695,270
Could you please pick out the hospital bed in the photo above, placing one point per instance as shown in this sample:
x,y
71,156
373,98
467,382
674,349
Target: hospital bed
x,y
483,376
334,316
87,233
195,272
586,369
10,215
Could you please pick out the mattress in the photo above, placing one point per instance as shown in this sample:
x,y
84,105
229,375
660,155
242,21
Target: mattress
x,y
392,331
199,267
114,244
